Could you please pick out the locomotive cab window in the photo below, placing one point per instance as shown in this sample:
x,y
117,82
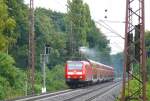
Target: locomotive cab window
x,y
75,65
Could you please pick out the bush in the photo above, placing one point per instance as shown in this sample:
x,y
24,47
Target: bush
x,y
148,68
55,79
148,91
11,78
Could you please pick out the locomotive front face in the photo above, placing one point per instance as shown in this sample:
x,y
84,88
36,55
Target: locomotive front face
x,y
74,70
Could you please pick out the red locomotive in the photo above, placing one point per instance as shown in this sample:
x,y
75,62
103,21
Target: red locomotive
x,y
87,71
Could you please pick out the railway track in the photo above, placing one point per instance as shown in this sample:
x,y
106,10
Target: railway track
x,y
101,93
81,94
33,98
88,96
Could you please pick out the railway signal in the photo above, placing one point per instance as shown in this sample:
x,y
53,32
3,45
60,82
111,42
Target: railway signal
x,y
134,10
44,60
137,42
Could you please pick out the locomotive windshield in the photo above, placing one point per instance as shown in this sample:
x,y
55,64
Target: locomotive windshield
x,y
75,65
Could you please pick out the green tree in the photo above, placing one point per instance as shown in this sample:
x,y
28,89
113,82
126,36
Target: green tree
x,y
147,41
46,33
98,41
78,25
11,78
147,44
19,12
7,25
117,60
82,31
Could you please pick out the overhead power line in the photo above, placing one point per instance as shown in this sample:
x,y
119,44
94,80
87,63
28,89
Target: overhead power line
x,y
111,21
107,27
60,3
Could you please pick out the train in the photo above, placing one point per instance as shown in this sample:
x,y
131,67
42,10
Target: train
x,y
82,72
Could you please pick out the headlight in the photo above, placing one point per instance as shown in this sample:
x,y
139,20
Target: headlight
x,y
69,77
80,76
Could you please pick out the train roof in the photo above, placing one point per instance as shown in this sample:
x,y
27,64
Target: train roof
x,y
100,64
91,61
83,61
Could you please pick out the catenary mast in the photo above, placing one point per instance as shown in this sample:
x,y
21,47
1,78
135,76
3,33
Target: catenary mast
x,y
134,51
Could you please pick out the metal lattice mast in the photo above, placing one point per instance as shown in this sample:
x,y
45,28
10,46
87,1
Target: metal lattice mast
x,y
31,46
134,27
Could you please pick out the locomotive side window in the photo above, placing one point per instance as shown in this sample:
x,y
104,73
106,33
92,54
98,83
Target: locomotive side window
x,y
74,65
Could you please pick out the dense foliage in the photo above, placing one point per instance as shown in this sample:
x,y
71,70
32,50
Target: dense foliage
x,y
12,79
19,12
7,25
117,61
47,33
147,44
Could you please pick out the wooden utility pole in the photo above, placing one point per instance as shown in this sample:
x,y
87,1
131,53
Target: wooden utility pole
x,y
31,58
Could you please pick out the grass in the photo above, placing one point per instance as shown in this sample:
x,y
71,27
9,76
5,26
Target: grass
x,y
134,85
148,91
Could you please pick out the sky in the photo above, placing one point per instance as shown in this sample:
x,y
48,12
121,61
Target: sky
x,y
115,17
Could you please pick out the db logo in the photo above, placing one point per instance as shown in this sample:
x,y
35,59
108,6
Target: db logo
x,y
74,71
